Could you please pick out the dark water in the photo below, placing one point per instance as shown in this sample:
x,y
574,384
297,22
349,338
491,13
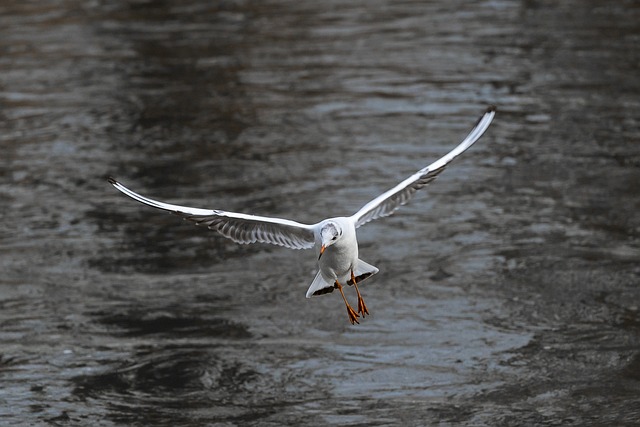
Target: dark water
x,y
508,291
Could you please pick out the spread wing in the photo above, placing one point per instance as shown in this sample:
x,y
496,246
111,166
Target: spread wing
x,y
240,228
388,202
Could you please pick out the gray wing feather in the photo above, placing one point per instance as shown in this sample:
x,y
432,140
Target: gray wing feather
x,y
391,200
240,228
260,229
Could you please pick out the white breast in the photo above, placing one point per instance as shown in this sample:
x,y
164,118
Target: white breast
x,y
340,258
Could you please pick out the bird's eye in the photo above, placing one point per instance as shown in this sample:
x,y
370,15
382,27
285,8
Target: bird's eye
x,y
334,237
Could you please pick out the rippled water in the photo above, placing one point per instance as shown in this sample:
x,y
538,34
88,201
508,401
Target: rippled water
x,y
508,291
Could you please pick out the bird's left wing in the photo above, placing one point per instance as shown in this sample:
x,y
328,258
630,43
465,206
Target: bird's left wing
x,y
388,202
241,228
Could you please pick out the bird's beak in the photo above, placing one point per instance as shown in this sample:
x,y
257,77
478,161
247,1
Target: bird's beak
x,y
322,248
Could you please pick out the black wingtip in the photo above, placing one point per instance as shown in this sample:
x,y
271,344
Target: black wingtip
x,y
491,109
112,180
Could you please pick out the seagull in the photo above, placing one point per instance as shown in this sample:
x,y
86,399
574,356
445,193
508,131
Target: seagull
x,y
334,238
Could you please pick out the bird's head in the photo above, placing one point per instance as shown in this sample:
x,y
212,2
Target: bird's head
x,y
330,233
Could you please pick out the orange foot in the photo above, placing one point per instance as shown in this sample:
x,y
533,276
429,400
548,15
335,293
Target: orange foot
x,y
353,316
362,307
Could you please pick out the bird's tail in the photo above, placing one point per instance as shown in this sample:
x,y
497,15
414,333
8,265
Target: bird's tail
x,y
321,286
363,271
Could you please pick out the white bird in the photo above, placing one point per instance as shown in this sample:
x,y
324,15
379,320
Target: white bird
x,y
334,238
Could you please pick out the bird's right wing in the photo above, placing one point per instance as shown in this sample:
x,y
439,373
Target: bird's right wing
x,y
388,202
240,228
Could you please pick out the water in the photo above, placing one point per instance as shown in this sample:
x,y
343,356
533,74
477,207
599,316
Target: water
x,y
508,289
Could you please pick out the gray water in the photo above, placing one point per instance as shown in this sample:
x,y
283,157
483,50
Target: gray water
x,y
508,289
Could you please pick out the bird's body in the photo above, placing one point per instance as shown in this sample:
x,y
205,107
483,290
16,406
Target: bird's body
x,y
341,257
335,238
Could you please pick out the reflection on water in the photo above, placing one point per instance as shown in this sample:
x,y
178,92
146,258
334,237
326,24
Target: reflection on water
x,y
507,292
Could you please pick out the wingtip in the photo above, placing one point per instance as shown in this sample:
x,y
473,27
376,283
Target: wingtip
x,y
490,111
112,180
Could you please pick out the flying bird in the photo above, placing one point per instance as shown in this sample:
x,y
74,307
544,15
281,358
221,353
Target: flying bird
x,y
334,238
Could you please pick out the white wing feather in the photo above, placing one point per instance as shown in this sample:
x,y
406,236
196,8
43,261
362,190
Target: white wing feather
x,y
240,228
388,202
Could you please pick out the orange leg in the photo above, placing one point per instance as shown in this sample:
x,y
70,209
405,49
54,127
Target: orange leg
x,y
353,316
362,307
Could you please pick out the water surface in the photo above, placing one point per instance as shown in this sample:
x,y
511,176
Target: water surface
x,y
508,288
